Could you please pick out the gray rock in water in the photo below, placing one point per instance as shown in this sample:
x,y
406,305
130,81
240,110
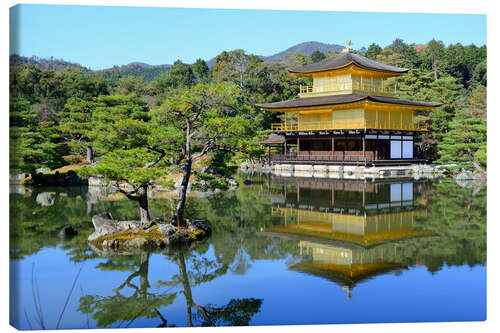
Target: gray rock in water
x,y
167,229
97,180
104,225
126,225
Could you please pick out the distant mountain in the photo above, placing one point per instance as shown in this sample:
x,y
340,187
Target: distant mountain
x,y
307,48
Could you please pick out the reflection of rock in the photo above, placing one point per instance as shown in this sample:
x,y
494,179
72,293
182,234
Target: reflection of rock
x,y
96,193
471,183
469,175
45,199
67,231
97,180
110,233
198,224
17,179
18,189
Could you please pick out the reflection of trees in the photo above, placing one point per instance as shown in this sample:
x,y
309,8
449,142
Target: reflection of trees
x,y
458,216
33,225
122,309
237,312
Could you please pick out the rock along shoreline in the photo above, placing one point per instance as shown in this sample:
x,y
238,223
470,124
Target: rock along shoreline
x,y
157,234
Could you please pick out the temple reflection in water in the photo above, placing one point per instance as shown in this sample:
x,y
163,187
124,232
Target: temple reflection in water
x,y
347,231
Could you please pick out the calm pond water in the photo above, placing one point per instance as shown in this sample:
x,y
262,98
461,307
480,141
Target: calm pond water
x,y
283,251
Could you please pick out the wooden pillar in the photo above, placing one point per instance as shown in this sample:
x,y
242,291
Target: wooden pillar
x,y
269,154
298,145
364,147
285,148
333,147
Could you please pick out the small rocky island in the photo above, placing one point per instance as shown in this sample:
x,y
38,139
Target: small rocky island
x,y
157,234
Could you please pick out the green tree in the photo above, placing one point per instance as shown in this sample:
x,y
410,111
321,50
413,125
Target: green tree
x,y
297,59
373,51
479,75
130,85
133,148
433,57
75,124
180,75
236,67
465,143
201,71
199,120
33,144
317,56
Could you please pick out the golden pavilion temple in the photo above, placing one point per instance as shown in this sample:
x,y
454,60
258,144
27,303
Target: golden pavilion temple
x,y
350,115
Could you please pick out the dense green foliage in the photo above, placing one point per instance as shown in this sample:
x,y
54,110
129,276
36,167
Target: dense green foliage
x,y
61,94
33,144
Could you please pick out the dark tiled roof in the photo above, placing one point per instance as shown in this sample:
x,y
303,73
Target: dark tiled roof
x,y
273,140
393,100
345,59
340,99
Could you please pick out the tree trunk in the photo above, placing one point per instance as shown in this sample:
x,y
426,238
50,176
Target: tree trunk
x,y
187,287
90,154
179,212
143,204
143,272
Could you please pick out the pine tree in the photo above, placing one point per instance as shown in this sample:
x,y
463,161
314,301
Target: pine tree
x,y
33,144
465,143
132,147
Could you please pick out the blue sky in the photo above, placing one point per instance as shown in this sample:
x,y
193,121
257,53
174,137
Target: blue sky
x,y
100,37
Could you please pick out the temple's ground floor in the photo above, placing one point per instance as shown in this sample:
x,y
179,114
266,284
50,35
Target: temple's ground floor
x,y
344,148
355,171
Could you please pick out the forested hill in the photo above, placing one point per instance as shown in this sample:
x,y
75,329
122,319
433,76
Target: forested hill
x,y
147,72
150,72
45,63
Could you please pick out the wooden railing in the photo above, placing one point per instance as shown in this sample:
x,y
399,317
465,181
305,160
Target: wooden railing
x,y
336,156
341,124
354,87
